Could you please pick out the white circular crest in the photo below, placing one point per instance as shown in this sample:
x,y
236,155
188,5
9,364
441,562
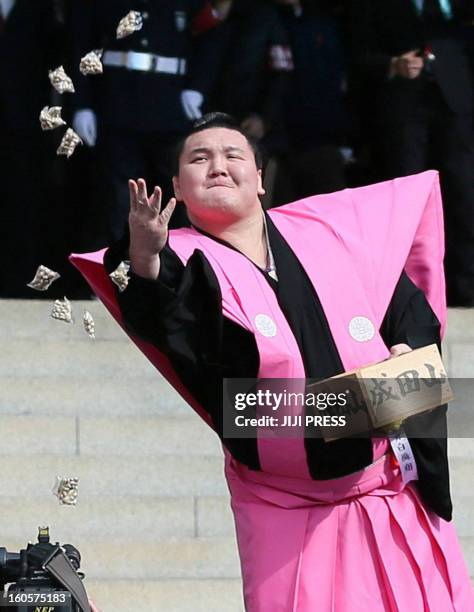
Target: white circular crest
x,y
361,329
265,325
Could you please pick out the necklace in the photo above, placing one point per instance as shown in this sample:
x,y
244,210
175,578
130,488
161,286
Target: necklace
x,y
270,268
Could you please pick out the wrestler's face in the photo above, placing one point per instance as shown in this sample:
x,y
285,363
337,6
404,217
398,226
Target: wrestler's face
x,y
218,179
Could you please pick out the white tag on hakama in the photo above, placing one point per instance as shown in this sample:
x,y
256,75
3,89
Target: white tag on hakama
x,y
404,454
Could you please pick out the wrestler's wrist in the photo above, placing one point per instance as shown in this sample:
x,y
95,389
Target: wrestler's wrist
x,y
146,265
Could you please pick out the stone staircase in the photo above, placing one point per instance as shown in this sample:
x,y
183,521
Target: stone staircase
x,y
153,521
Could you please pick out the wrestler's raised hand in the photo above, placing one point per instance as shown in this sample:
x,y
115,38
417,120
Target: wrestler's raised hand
x,y
148,228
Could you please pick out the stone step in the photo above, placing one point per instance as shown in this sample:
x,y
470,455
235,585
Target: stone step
x,y
134,559
458,343
460,325
460,471
31,319
463,515
169,476
30,359
122,516
107,436
148,436
85,396
467,546
461,360
167,595
26,435
461,447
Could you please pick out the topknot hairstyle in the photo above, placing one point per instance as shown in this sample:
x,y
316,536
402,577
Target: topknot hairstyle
x,y
215,120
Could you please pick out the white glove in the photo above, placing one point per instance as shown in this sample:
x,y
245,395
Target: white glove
x,y
85,124
347,154
191,101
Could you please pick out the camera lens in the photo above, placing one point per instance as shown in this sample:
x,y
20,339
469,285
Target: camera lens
x,y
73,555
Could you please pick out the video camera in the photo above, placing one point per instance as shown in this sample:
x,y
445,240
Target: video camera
x,y
43,577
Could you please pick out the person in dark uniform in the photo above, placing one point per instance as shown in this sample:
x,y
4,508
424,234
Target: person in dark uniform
x,y
144,101
316,118
418,87
29,47
251,77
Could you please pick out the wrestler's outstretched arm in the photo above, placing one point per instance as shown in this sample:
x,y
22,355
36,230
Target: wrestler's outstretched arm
x,y
148,228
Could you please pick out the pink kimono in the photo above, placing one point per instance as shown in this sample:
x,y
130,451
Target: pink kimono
x,y
364,541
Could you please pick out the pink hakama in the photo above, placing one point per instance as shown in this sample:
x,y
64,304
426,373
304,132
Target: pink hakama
x,y
361,543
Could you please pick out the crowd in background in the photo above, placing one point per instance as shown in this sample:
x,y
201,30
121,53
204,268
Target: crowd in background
x,y
339,94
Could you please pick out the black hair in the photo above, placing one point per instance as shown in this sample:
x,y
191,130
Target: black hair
x,y
215,120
